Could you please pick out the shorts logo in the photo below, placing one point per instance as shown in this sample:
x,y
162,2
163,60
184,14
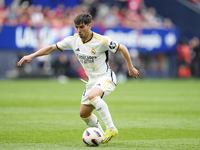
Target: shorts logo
x,y
112,45
93,52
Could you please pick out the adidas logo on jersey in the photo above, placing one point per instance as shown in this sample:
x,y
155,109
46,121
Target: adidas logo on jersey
x,y
99,84
77,49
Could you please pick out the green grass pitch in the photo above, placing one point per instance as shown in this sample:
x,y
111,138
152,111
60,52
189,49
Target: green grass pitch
x,y
149,114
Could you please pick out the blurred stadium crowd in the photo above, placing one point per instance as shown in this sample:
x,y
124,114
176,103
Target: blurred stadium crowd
x,y
119,14
106,14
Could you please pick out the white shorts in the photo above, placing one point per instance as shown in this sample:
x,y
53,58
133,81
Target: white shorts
x,y
106,82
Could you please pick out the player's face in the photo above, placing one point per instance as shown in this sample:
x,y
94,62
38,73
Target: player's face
x,y
83,30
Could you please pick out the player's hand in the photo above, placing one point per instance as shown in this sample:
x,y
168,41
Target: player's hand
x,y
26,59
133,72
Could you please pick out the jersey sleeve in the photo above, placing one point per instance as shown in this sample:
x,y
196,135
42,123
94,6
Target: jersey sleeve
x,y
65,44
112,45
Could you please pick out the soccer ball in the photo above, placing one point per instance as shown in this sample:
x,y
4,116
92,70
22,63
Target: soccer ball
x,y
92,136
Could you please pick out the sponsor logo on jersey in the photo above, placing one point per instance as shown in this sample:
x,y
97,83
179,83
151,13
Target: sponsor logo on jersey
x,y
93,52
112,45
86,59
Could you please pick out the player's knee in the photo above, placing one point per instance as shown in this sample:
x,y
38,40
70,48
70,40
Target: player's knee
x,y
91,96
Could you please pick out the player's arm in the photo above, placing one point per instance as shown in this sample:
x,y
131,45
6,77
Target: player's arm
x,y
124,51
44,51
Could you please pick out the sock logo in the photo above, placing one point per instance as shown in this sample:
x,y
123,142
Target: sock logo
x,y
98,109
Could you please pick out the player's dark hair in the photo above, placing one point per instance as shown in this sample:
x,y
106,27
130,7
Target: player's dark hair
x,y
83,18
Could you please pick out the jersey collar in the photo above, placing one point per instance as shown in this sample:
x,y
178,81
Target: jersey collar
x,y
89,39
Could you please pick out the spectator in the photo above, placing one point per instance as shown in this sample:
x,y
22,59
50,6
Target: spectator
x,y
184,52
36,16
11,19
133,5
23,18
150,16
92,6
3,13
61,65
184,58
132,20
168,23
195,64
112,19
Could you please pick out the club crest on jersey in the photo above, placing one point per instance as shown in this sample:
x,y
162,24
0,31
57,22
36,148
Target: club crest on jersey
x,y
112,45
93,52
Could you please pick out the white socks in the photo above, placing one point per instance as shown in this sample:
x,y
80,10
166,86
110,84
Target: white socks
x,y
103,111
92,121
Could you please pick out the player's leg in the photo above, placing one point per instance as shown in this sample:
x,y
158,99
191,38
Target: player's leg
x,y
86,110
90,119
102,109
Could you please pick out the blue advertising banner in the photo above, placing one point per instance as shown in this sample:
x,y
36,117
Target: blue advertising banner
x,y
51,3
28,38
54,3
154,40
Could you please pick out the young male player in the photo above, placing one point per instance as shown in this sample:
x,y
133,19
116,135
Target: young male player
x,y
91,49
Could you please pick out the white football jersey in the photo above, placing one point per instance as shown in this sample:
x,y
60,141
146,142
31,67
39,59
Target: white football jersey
x,y
93,54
